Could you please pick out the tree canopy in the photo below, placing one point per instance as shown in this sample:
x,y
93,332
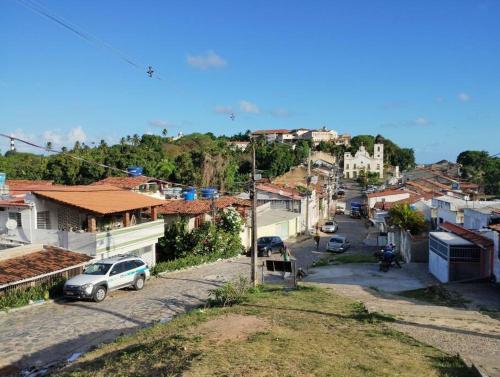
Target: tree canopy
x,y
481,168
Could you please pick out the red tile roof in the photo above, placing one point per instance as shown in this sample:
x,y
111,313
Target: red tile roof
x,y
267,132
495,227
437,184
48,259
198,207
280,190
127,183
388,205
19,187
469,235
100,199
388,193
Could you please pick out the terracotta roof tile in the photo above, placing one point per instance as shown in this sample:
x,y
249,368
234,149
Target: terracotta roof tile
x,y
16,202
495,227
266,132
124,182
387,193
280,190
100,199
19,187
48,259
200,206
467,234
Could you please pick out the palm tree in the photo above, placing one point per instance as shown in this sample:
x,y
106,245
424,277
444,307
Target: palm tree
x,y
403,216
48,146
164,132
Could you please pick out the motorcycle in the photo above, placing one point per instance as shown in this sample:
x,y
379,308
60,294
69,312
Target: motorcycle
x,y
386,260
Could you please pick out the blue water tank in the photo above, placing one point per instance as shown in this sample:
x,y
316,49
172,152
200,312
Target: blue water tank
x,y
135,171
3,176
208,192
189,195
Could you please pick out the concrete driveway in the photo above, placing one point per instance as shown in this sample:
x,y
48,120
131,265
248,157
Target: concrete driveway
x,y
367,275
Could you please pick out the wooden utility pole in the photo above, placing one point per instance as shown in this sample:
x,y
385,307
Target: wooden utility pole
x,y
253,195
308,184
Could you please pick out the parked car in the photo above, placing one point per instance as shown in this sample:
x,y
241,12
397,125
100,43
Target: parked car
x,y
106,275
330,226
338,244
268,245
340,210
340,192
356,213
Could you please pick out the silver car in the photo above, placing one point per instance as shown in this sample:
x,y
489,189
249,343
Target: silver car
x,y
338,244
107,275
330,226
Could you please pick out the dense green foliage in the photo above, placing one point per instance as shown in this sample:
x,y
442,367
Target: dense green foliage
x,y
406,218
181,248
21,297
481,168
196,159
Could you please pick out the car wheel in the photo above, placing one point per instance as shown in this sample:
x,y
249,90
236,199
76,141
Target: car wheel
x,y
99,293
269,253
139,283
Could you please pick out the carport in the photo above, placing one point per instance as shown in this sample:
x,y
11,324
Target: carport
x,y
453,258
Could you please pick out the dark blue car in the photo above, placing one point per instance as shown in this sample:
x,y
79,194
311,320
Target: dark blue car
x,y
268,245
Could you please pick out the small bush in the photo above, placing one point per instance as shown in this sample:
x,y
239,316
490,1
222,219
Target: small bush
x,y
22,297
230,293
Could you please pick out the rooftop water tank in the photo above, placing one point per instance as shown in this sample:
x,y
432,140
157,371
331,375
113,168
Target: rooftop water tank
x,y
135,171
208,193
3,177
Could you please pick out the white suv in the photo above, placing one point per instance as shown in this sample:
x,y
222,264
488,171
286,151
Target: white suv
x,y
107,275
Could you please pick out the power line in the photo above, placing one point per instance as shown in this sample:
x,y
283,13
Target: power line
x,y
90,162
80,32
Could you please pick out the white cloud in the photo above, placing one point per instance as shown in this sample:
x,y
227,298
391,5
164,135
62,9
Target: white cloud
x,y
280,112
161,123
53,136
76,134
207,60
249,107
421,121
464,97
221,109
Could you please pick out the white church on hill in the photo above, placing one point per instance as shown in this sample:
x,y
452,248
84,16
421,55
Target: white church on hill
x,y
363,161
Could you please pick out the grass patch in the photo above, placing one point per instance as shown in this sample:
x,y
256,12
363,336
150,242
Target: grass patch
x,y
437,295
356,258
307,332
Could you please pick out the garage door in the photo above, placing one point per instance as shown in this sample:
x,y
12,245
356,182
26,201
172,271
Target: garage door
x,y
282,230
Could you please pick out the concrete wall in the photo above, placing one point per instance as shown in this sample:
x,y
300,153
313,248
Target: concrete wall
x,y
451,216
475,220
413,249
387,198
438,267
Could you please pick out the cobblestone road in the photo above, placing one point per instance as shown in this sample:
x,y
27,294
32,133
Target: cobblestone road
x,y
39,336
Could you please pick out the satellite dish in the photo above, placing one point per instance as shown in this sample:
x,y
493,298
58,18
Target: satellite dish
x,y
11,224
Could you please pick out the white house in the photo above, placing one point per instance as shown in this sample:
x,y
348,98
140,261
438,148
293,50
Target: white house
x,y
451,209
362,160
100,221
481,218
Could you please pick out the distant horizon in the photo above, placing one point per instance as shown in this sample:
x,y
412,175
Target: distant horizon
x,y
423,74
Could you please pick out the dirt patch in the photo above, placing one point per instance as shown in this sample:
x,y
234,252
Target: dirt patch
x,y
233,327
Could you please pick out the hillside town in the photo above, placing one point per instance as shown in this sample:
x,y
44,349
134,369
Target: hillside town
x,y
249,189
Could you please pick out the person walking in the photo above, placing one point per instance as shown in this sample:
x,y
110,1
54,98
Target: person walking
x,y
317,238
286,255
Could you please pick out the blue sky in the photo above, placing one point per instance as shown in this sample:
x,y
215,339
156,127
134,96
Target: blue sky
x,y
423,73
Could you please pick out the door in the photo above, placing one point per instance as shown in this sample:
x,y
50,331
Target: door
x,y
117,276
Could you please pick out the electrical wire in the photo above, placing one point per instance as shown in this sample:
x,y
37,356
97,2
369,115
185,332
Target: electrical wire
x,y
90,162
79,31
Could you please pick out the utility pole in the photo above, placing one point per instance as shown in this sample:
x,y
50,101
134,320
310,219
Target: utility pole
x,y
329,191
308,181
253,196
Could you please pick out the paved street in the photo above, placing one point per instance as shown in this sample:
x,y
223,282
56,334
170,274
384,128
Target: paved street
x,y
52,332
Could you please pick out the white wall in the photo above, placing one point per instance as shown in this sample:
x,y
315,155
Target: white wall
x,y
388,198
475,220
453,217
438,267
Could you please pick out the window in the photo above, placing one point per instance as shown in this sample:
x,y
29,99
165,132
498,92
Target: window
x,y
43,220
347,167
354,166
368,167
378,166
378,148
129,265
16,216
118,268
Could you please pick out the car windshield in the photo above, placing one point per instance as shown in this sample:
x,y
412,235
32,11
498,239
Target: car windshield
x,y
329,223
97,269
336,240
264,240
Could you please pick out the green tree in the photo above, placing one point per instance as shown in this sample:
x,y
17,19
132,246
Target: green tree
x,y
403,216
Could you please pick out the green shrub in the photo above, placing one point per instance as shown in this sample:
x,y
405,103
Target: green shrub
x,y
22,297
230,293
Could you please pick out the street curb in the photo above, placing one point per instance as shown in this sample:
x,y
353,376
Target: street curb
x,y
26,307
200,265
